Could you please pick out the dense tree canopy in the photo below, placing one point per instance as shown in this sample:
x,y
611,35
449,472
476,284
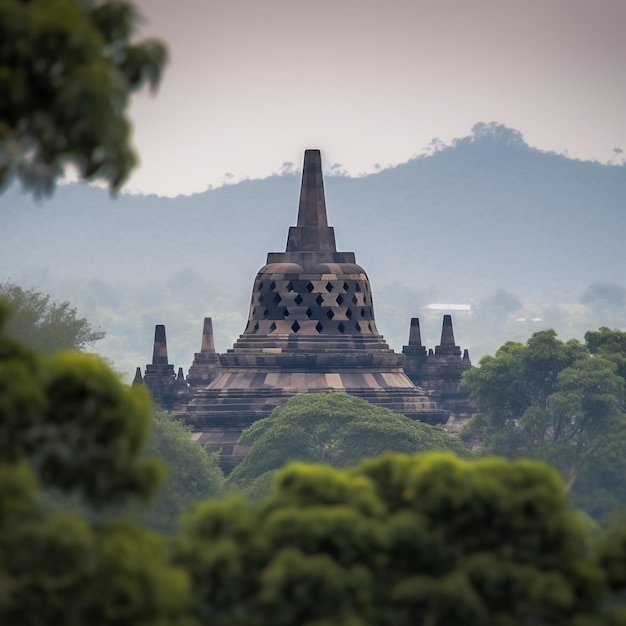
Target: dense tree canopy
x,y
67,69
37,321
427,539
68,423
421,539
192,474
558,401
333,428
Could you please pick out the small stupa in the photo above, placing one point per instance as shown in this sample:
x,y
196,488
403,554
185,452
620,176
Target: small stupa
x,y
311,328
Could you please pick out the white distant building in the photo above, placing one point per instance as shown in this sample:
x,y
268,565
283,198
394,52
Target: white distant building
x,y
438,306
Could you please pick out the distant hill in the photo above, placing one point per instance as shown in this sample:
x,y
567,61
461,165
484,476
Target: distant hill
x,y
488,221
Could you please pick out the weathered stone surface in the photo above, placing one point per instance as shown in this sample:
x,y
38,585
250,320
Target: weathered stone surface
x,y
439,372
168,390
206,364
311,328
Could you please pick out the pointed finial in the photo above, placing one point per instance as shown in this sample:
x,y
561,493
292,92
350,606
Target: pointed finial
x,y
138,380
181,376
208,344
466,356
415,336
159,354
312,208
447,334
312,233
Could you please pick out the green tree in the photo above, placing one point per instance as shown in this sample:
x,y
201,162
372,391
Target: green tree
x,y
611,345
68,423
192,473
600,489
546,399
67,69
426,539
333,428
43,324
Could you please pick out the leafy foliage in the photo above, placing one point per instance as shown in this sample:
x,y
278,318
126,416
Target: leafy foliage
x,y
67,69
426,539
192,473
44,325
332,428
73,420
560,402
67,422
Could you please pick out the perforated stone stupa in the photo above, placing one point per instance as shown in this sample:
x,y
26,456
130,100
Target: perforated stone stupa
x,y
311,328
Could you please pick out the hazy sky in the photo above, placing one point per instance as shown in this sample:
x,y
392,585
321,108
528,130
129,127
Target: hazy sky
x,y
252,83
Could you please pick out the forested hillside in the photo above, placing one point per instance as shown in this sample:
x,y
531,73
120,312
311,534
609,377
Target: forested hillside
x,y
529,239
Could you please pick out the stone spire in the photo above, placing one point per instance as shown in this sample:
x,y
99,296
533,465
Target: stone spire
x,y
138,380
312,233
415,336
160,377
208,343
312,207
447,345
206,363
447,334
415,347
159,352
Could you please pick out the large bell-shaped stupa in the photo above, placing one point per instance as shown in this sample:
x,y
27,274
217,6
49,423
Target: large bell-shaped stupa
x,y
311,328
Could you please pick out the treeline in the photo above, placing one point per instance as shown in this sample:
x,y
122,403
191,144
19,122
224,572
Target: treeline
x,y
399,538
433,531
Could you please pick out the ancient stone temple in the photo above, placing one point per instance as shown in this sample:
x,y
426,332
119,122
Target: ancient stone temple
x,y
439,372
311,328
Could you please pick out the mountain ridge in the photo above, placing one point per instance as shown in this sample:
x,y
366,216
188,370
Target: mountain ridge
x,y
485,213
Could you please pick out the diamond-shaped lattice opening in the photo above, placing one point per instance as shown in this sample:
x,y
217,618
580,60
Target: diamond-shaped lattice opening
x,y
369,325
272,286
319,300
330,315
256,327
349,314
266,313
289,286
318,327
253,311
298,299
339,299
354,300
310,287
259,286
285,312
272,327
358,327
261,299
346,287
358,287
362,312
364,299
309,313
276,299
295,327
341,328
329,287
